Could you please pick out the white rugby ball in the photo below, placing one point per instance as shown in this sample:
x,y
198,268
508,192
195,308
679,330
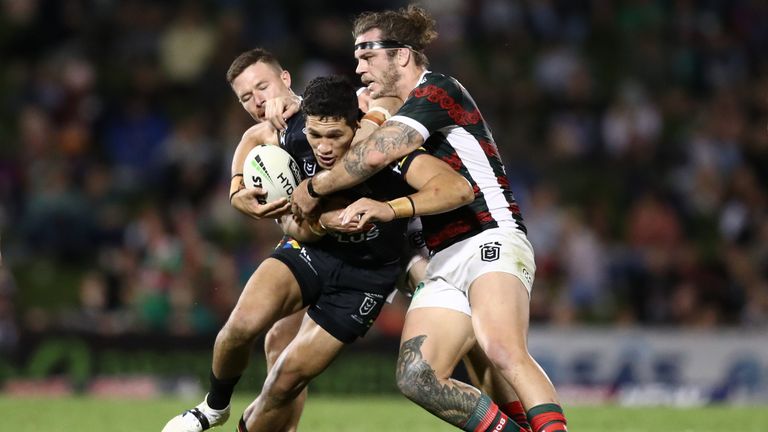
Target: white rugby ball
x,y
271,168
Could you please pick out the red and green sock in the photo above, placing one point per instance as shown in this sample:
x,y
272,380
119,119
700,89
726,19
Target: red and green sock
x,y
487,417
516,412
547,418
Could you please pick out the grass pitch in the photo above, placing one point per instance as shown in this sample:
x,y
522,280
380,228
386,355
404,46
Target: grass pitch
x,y
354,413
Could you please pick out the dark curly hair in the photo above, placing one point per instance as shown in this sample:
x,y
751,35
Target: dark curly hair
x,y
331,97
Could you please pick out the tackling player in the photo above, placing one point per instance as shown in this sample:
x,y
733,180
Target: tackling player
x,y
260,85
481,273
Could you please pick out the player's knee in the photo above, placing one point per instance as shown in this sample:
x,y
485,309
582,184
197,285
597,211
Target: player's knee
x,y
274,344
415,380
239,332
285,382
505,356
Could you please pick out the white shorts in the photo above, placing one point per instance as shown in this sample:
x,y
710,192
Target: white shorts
x,y
451,271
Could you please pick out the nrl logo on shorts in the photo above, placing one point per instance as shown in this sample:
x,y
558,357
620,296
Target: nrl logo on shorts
x,y
367,306
490,251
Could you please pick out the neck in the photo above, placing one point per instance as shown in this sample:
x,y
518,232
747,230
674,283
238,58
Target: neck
x,y
409,80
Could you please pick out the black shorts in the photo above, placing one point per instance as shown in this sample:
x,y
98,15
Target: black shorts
x,y
343,299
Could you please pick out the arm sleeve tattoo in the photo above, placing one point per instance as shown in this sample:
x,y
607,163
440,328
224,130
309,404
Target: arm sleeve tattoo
x,y
390,143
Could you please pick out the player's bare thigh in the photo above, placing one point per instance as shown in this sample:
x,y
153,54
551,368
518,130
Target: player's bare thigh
x,y
438,336
272,292
281,334
311,351
500,309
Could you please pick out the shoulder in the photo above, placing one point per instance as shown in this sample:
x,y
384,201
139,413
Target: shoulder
x,y
437,88
261,133
434,80
296,121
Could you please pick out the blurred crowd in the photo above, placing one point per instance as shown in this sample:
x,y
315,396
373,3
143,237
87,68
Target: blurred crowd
x,y
634,134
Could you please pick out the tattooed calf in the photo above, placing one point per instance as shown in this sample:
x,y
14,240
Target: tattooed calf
x,y
451,400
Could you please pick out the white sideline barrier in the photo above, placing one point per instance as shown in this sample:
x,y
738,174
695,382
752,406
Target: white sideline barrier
x,y
654,366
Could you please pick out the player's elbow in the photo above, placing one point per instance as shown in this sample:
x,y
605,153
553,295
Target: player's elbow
x,y
375,161
460,190
465,192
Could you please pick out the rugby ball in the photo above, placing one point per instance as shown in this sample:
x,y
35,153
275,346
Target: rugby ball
x,y
271,168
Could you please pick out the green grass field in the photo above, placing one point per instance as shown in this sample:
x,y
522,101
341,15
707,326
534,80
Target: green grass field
x,y
358,414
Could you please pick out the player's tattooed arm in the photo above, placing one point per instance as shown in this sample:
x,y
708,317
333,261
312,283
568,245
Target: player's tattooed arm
x,y
387,144
452,401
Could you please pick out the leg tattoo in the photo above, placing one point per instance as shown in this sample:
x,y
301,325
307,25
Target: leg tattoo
x,y
451,400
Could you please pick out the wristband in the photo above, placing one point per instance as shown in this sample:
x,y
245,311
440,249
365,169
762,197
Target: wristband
x,y
402,207
311,189
413,206
235,185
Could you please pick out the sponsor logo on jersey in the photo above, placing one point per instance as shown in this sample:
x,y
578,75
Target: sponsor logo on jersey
x,y
490,251
356,237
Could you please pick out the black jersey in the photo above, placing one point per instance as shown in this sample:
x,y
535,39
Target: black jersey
x,y
383,243
294,141
448,119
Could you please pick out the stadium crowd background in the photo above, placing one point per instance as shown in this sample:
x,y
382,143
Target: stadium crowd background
x,y
634,134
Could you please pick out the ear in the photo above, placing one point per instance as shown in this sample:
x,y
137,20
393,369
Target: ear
x,y
285,76
404,56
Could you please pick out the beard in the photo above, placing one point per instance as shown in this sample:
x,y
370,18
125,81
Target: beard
x,y
388,83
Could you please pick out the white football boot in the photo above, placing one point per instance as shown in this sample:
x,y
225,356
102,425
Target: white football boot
x,y
198,419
